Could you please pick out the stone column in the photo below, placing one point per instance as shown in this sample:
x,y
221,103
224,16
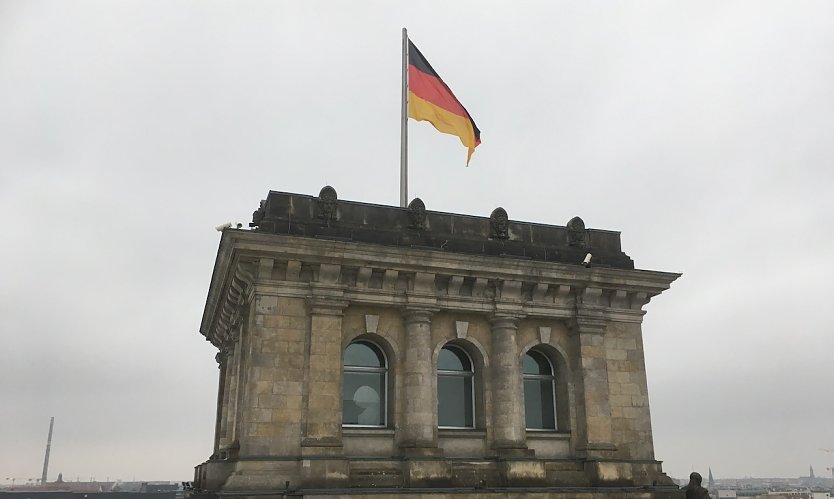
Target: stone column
x,y
508,426
220,426
236,392
593,409
230,399
418,430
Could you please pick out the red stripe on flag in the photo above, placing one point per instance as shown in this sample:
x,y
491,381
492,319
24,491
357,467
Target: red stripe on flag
x,y
432,89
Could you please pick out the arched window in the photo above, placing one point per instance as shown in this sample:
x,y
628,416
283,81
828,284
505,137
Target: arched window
x,y
365,385
455,395
539,399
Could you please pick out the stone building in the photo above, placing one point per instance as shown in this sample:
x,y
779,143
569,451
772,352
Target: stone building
x,y
367,350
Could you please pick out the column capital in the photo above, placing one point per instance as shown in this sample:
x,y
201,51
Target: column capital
x,y
420,315
504,320
223,354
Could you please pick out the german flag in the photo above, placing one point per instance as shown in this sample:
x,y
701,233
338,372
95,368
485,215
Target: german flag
x,y
429,99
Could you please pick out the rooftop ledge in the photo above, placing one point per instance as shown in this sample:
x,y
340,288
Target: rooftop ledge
x,y
327,217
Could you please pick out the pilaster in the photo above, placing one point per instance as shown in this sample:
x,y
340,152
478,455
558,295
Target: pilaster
x,y
323,366
593,409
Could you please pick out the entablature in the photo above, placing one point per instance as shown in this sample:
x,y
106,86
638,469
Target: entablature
x,y
367,274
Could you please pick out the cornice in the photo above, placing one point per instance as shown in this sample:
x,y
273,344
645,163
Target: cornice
x,y
353,254
368,274
230,307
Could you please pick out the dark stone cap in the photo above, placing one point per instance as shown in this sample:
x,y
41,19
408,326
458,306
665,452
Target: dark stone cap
x,y
327,217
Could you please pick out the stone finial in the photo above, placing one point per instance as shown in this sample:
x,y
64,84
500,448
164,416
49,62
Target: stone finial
x,y
327,203
577,235
258,214
499,224
417,214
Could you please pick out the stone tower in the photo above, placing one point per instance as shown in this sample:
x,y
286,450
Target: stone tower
x,y
368,350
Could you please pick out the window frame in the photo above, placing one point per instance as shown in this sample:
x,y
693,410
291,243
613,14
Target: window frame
x,y
467,375
541,377
362,369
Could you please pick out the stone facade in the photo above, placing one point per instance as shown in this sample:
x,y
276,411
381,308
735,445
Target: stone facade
x,y
317,274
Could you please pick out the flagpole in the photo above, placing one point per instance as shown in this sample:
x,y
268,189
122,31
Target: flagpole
x,y
404,126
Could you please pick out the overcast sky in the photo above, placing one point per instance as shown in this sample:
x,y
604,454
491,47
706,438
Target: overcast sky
x,y
702,130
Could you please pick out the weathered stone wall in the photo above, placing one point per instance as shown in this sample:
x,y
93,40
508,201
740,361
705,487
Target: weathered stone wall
x,y
274,387
282,310
630,418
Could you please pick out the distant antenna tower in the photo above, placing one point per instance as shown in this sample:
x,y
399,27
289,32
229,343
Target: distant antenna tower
x,y
46,457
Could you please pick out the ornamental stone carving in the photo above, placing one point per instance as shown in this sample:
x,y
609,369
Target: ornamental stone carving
x,y
499,224
327,204
577,235
258,214
417,214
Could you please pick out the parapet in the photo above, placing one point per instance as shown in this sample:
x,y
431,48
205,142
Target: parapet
x,y
327,217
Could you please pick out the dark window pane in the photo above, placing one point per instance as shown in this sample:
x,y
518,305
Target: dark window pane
x,y
454,401
535,363
363,399
452,359
363,355
538,404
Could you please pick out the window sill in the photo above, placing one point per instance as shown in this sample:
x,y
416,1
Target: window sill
x,y
358,431
547,435
460,433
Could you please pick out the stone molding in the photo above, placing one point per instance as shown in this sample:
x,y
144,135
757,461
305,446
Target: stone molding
x,y
223,354
413,315
230,309
587,325
504,321
326,306
366,274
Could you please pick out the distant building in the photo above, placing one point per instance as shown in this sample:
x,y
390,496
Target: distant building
x,y
373,350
